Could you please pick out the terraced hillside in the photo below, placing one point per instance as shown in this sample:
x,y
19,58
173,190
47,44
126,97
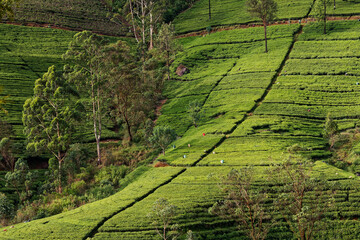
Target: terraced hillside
x,y
26,54
73,14
233,12
256,105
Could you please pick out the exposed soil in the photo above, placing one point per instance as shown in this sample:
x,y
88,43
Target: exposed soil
x,y
158,109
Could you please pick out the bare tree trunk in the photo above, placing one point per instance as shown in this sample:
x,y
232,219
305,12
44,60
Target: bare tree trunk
x,y
151,26
143,21
168,64
209,9
99,125
59,153
133,21
95,117
59,174
334,4
128,127
266,48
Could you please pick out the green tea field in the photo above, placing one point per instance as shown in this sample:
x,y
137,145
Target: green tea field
x,y
253,111
76,15
232,12
26,54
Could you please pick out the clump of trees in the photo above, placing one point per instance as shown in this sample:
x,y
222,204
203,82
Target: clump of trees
x,y
162,215
162,136
301,200
244,204
48,118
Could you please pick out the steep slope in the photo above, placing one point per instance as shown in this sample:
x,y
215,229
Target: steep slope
x,y
26,54
249,120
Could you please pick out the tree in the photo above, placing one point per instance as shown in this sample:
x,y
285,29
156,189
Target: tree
x,y
195,113
125,86
6,207
49,119
303,200
19,178
143,16
320,11
265,10
244,204
162,214
7,159
86,53
330,129
162,136
167,45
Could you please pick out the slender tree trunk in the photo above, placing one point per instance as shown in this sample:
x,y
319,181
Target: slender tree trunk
x,y
209,9
324,16
59,153
95,117
99,125
133,21
143,20
265,31
128,126
168,64
151,27
59,175
334,4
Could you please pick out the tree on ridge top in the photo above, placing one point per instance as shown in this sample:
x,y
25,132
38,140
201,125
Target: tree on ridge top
x,y
264,9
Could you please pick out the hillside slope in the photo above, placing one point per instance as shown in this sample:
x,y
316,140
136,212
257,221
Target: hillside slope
x,y
26,54
73,14
232,12
256,105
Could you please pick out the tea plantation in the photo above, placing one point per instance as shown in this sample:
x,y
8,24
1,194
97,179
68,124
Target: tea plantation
x,y
255,106
232,12
76,15
26,54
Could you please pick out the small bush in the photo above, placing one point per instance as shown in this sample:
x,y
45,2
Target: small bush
x,y
6,207
112,174
100,192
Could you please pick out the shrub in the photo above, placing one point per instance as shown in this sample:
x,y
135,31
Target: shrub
x,y
100,192
6,207
112,174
